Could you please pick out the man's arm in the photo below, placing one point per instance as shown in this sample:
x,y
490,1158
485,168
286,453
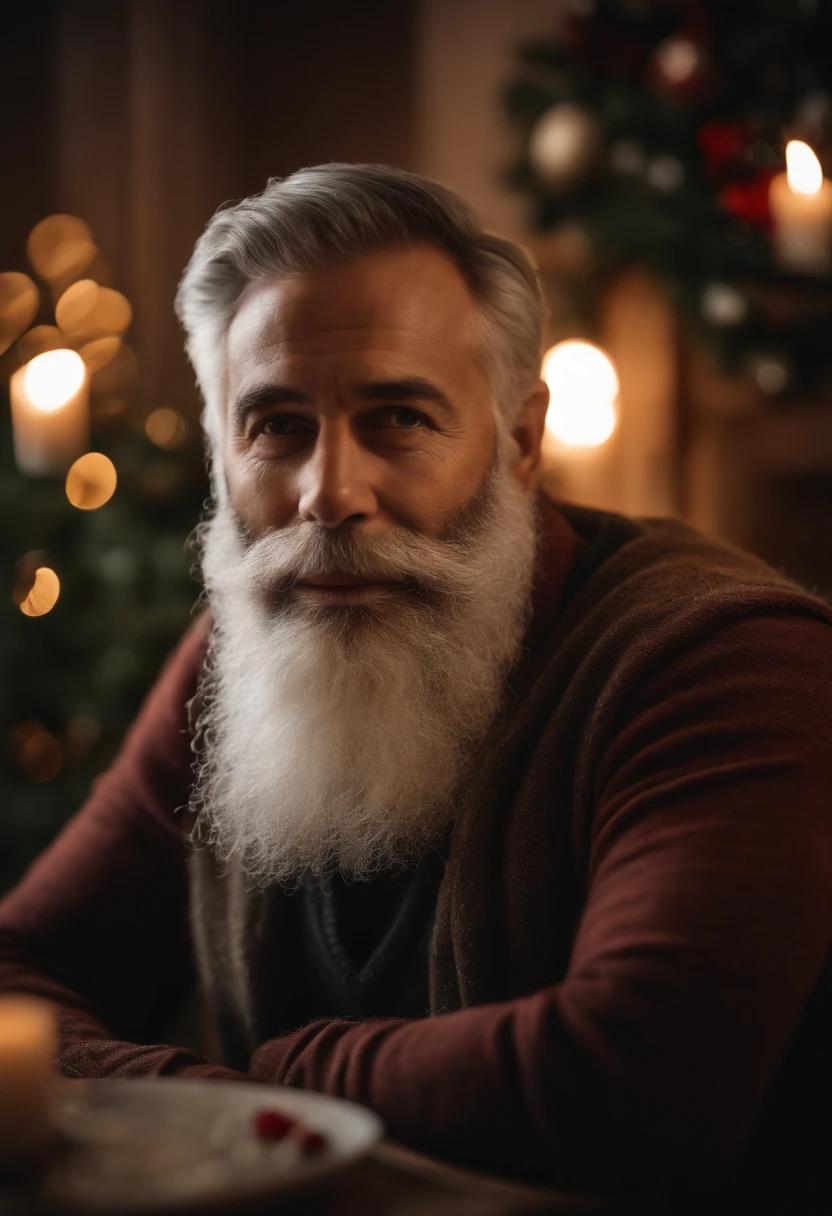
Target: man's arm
x,y
707,923
98,925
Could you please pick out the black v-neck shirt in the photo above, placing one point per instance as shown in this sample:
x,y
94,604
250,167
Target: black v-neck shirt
x,y
361,948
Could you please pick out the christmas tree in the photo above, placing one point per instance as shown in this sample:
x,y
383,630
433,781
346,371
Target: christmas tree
x,y
98,577
653,133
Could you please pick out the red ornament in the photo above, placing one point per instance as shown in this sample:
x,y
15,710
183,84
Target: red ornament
x,y
272,1125
722,145
749,200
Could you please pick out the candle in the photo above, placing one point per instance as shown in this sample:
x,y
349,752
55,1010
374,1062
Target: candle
x,y
801,207
50,412
27,1048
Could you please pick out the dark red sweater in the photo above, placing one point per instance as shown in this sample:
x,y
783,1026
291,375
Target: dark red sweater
x,y
707,923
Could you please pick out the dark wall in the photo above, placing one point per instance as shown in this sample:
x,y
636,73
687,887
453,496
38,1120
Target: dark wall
x,y
143,116
28,168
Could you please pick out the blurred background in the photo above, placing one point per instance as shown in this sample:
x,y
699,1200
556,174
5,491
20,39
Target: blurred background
x,y
664,161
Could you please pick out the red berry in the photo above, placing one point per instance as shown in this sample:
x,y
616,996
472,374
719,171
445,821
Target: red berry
x,y
311,1143
272,1125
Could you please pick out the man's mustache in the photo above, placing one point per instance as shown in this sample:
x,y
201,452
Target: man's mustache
x,y
425,568
422,568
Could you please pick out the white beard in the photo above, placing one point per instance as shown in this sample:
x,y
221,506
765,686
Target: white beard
x,y
340,738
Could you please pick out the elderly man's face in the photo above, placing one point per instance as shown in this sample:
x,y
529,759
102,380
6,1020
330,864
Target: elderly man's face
x,y
357,395
367,624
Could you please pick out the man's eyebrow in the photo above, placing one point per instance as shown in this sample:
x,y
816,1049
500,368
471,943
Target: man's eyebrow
x,y
268,394
411,388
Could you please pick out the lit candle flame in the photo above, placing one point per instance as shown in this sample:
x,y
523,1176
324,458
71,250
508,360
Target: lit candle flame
x,y
53,378
583,385
803,171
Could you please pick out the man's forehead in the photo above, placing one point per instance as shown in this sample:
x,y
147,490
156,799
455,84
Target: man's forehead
x,y
394,296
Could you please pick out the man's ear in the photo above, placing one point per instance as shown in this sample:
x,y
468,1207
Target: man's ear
x,y
528,433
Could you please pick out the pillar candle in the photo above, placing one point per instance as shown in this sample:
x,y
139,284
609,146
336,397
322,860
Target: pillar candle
x,y
801,209
50,413
27,1048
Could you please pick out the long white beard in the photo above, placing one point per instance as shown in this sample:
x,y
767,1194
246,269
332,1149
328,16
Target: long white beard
x,y
340,738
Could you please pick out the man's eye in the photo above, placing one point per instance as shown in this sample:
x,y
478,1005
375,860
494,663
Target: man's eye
x,y
402,419
285,424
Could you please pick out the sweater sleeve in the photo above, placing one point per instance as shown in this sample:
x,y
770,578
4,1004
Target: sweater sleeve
x,y
707,921
98,925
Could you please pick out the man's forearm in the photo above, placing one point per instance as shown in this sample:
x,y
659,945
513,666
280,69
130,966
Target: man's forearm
x,y
464,1086
85,1046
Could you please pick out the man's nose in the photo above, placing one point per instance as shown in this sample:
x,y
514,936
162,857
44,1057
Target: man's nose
x,y
336,486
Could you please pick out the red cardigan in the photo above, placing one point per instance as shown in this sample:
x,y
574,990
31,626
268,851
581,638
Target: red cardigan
x,y
712,841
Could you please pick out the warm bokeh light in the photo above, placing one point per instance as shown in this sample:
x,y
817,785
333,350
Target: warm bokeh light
x,y
44,593
60,246
36,751
91,481
108,410
86,310
98,353
83,730
24,574
100,270
76,304
52,379
167,428
117,375
583,385
19,302
803,170
39,340
679,58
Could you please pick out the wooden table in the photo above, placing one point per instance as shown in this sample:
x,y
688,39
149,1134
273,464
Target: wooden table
x,y
395,1181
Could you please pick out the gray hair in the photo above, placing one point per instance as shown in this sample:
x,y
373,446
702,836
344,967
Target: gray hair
x,y
320,215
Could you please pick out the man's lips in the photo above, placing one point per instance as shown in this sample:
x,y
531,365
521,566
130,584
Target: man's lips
x,y
345,588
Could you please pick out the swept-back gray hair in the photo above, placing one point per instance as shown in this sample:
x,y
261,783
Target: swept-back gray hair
x,y
327,213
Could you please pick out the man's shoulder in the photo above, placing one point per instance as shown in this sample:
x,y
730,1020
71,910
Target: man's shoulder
x,y
664,567
639,593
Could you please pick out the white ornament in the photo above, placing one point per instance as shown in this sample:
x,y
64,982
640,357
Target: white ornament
x,y
563,144
665,173
724,305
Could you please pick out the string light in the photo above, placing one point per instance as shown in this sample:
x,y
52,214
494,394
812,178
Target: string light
x,y
91,481
583,385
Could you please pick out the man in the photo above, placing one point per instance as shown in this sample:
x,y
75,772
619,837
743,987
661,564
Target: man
x,y
510,821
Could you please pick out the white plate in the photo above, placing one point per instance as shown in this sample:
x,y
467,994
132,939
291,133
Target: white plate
x,y
149,1145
